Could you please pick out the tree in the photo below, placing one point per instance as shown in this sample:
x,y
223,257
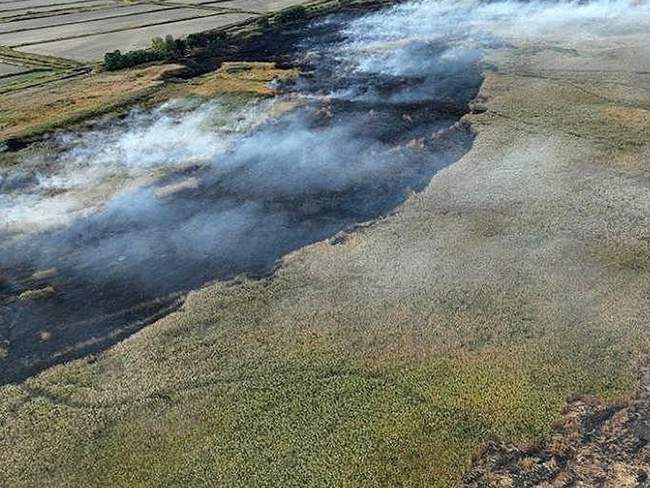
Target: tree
x,y
158,44
113,60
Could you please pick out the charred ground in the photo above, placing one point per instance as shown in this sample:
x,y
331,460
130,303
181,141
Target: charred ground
x,y
119,270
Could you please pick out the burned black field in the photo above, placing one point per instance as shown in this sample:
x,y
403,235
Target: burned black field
x,y
358,143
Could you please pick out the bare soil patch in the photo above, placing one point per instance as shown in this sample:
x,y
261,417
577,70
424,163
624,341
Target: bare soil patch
x,y
594,444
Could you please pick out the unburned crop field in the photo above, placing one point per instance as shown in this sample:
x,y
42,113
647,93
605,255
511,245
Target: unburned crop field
x,y
81,49
10,69
83,31
20,10
76,17
94,27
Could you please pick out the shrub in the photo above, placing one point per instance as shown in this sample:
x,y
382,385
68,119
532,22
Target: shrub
x,y
168,46
169,43
160,50
158,45
117,60
293,14
197,40
113,60
179,48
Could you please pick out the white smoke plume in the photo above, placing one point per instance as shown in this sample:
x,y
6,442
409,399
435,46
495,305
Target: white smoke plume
x,y
96,165
403,41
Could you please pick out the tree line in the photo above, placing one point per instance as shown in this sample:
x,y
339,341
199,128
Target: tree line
x,y
169,49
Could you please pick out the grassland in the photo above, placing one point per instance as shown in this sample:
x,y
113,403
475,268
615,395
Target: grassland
x,y
294,412
517,278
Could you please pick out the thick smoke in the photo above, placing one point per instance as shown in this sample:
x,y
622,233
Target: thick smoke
x,y
164,201
480,24
95,165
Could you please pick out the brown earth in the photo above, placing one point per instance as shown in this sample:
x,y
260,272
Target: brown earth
x,y
596,444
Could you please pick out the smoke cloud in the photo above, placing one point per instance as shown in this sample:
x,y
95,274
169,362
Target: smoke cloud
x,y
87,169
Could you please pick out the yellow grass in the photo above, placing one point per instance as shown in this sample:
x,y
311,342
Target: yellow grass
x,y
63,103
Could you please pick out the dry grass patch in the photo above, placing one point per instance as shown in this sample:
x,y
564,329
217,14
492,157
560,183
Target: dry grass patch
x,y
630,117
59,104
232,78
240,78
37,294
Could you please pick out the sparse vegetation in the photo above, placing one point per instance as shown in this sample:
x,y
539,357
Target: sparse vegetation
x,y
116,91
51,106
